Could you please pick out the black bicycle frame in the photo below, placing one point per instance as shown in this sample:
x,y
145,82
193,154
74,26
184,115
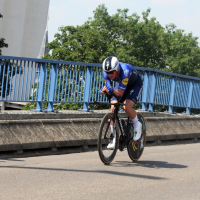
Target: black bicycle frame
x,y
124,132
117,117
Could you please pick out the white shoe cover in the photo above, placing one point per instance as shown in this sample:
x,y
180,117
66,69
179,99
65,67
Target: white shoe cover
x,y
137,132
111,145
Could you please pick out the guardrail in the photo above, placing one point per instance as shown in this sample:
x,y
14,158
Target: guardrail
x,y
52,81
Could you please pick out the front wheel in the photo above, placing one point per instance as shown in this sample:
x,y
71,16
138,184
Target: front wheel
x,y
105,137
136,148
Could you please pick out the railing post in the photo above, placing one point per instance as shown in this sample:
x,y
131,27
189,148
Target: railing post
x,y
172,94
153,87
42,68
145,90
190,97
53,79
87,88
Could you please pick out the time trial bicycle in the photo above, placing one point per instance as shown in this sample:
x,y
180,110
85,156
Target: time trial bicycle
x,y
123,140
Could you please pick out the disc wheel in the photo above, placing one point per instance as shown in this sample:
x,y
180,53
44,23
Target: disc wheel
x,y
105,137
136,148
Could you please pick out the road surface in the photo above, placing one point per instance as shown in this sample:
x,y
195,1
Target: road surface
x,y
163,172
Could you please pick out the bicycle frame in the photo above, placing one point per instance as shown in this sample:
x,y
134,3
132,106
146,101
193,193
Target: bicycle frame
x,y
118,118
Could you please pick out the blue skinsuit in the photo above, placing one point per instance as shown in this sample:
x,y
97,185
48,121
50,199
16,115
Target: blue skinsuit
x,y
128,80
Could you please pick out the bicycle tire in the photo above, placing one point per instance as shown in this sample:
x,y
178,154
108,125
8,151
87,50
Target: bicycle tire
x,y
107,155
136,148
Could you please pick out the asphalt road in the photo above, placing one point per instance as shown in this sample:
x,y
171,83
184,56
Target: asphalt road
x,y
163,172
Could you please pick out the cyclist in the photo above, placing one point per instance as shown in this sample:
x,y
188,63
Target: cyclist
x,y
128,89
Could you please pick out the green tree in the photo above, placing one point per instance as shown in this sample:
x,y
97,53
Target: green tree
x,y
2,43
141,42
181,51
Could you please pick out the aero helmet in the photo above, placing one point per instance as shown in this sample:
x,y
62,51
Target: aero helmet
x,y
110,64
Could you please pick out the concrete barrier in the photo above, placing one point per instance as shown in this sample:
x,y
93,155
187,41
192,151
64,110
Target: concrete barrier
x,y
21,131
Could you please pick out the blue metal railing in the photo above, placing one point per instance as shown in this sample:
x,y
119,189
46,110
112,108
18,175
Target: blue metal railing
x,y
51,81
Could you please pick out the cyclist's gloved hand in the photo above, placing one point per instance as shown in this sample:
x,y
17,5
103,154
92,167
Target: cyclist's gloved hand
x,y
100,90
110,89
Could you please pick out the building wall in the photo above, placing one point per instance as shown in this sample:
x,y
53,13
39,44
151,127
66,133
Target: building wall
x,y
24,26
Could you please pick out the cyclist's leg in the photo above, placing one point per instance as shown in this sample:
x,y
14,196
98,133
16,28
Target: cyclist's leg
x,y
111,145
133,116
112,101
128,108
131,98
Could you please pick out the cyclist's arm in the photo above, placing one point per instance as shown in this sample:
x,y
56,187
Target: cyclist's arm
x,y
107,83
117,93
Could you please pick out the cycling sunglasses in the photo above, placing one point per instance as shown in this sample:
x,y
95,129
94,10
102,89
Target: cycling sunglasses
x,y
112,72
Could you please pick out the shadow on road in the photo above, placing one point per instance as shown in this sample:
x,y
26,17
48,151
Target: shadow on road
x,y
149,164
116,173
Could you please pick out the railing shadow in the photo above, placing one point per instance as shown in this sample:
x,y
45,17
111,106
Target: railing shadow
x,y
116,173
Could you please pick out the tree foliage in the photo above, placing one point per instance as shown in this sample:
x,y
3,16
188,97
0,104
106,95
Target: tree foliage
x,y
2,43
137,40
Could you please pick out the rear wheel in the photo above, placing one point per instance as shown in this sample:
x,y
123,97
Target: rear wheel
x,y
136,148
105,137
